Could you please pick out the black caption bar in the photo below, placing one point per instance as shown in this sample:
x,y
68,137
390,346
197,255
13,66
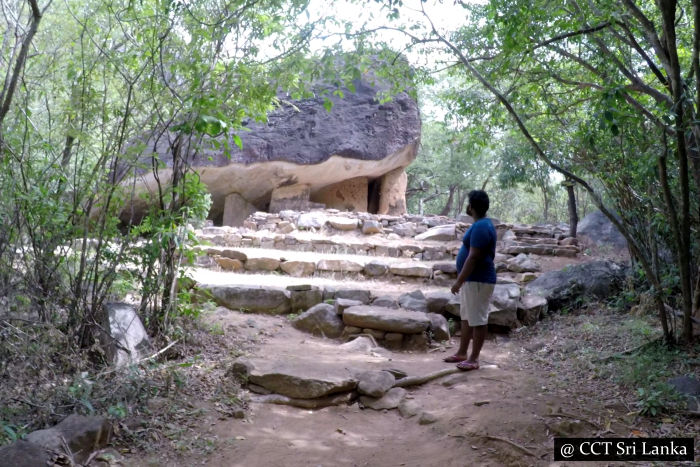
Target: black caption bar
x,y
624,449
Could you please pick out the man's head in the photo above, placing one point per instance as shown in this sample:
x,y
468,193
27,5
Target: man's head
x,y
478,203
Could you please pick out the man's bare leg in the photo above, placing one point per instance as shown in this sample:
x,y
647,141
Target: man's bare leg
x,y
464,338
479,335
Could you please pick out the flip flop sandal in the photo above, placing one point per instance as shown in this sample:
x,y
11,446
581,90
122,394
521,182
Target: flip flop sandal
x,y
454,359
468,366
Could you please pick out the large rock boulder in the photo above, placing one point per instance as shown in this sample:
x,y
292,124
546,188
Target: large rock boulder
x,y
301,380
595,279
22,453
689,388
303,144
81,434
598,229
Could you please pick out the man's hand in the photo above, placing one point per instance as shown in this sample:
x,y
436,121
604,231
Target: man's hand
x,y
455,287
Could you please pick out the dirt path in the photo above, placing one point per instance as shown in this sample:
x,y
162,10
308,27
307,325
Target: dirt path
x,y
474,414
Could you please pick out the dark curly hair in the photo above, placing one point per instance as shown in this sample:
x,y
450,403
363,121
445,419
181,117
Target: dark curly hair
x,y
479,201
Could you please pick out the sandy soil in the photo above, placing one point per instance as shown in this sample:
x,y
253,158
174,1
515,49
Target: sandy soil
x,y
477,413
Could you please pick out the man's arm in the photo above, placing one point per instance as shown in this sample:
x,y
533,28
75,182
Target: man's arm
x,y
475,256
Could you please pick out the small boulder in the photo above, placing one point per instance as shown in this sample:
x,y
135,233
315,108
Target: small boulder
x,y
320,320
405,229
313,219
342,223
341,304
262,264
390,400
374,383
298,268
437,301
409,408
304,299
440,233
338,265
439,328
361,344
414,301
418,341
240,369
531,309
370,227
503,309
569,241
413,269
386,302
522,263
447,268
233,254
360,295
375,268
228,264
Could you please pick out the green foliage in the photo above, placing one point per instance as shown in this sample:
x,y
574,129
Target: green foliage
x,y
10,433
648,371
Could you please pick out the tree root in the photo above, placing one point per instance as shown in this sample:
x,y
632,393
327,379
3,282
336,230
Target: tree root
x,y
628,352
317,403
574,417
417,380
515,445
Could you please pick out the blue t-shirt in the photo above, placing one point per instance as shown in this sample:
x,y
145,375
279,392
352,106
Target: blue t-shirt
x,y
481,235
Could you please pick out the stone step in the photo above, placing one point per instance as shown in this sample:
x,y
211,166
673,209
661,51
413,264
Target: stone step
x,y
408,249
310,264
299,295
319,243
542,250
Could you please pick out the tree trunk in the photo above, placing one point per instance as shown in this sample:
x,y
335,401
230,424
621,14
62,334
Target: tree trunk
x,y
545,197
573,212
450,199
8,90
461,199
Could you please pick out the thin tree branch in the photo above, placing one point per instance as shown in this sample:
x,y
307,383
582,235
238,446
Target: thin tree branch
x,y
567,35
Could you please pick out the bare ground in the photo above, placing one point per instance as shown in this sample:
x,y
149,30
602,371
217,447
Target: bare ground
x,y
502,414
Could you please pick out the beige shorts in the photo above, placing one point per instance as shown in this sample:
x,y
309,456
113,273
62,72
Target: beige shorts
x,y
474,298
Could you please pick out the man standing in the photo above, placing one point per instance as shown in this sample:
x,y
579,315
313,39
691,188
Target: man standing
x,y
475,282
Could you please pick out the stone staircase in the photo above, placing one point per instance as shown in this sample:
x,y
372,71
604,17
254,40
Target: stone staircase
x,y
380,275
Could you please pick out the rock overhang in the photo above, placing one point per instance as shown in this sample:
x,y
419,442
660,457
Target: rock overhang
x,y
360,137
